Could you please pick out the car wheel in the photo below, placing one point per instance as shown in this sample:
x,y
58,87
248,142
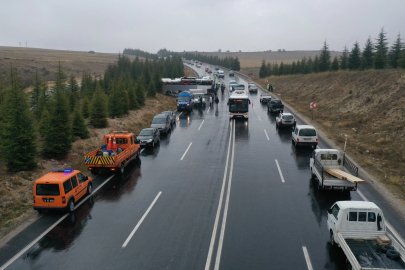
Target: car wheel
x,y
122,168
153,144
89,188
332,240
71,206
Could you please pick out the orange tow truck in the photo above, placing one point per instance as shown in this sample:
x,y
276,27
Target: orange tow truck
x,y
118,149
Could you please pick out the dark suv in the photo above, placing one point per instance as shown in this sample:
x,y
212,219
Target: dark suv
x,y
162,123
171,116
149,137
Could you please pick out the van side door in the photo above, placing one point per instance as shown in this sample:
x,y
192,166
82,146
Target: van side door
x,y
83,182
76,188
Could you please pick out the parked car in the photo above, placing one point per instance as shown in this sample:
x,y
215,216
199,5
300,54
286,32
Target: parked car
x,y
149,137
304,135
162,123
275,106
265,97
253,88
60,190
285,120
171,116
231,73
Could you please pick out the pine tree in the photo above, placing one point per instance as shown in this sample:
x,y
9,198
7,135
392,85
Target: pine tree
x,y
315,64
268,70
35,95
45,122
401,60
395,52
354,57
363,64
309,66
43,99
85,108
114,106
236,64
380,60
99,109
335,64
324,58
344,59
281,69
133,103
140,91
18,137
368,54
157,80
79,128
73,90
151,90
58,140
263,70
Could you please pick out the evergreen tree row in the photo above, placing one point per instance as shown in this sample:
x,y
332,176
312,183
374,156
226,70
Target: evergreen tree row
x,y
374,55
140,53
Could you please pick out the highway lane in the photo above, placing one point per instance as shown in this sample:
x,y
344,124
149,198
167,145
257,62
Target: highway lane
x,y
268,222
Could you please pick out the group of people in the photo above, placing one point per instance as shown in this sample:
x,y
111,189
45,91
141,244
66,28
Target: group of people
x,y
215,99
270,87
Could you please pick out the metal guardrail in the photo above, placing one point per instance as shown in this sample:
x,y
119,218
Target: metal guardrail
x,y
349,165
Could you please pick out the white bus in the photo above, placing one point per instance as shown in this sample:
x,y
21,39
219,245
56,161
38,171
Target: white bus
x,y
239,103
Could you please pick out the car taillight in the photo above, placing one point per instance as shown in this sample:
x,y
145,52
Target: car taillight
x,y
113,169
316,140
294,119
63,199
281,120
298,140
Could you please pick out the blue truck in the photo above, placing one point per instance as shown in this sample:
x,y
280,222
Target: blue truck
x,y
185,101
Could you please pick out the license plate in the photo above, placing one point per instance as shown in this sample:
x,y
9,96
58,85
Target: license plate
x,y
47,199
143,143
307,139
338,187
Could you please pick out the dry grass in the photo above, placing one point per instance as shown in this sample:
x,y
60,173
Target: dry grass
x,y
16,189
28,60
365,107
188,72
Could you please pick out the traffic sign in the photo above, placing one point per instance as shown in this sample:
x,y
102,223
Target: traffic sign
x,y
267,80
313,105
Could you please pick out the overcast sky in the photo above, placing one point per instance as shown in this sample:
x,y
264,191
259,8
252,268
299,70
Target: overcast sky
x,y
255,25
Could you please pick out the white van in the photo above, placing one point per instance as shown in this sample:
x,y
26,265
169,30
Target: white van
x,y
304,135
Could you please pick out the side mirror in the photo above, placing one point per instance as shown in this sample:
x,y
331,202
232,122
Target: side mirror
x,y
87,178
329,211
249,101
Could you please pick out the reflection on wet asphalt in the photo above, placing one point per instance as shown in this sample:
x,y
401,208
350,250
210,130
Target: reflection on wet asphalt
x,y
268,222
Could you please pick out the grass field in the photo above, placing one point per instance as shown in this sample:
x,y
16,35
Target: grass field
x,y
28,60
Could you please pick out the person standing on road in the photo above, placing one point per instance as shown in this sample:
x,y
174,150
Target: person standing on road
x,y
210,100
271,87
217,101
268,87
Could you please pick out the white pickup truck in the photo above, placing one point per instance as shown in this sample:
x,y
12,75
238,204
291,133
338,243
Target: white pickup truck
x,y
359,228
333,171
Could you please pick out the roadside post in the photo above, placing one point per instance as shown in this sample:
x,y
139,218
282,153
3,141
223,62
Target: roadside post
x,y
344,149
312,106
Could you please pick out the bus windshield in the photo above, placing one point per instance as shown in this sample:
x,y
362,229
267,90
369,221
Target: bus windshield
x,y
238,105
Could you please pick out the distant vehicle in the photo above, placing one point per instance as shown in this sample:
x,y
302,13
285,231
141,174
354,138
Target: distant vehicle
x,y
171,116
251,84
206,69
192,63
162,123
60,189
332,170
360,229
305,135
197,65
199,93
231,73
185,101
200,63
238,103
253,88
275,106
149,137
265,97
216,68
209,71
116,152
232,83
221,74
285,120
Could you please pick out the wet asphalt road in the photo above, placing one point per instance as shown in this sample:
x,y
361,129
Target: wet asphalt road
x,y
270,219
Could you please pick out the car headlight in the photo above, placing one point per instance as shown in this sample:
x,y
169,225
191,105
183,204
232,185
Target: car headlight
x,y
148,141
188,104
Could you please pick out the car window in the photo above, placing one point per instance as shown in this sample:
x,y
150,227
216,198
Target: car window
x,y
335,211
67,186
48,189
132,140
74,181
352,216
307,132
371,217
288,117
81,178
363,216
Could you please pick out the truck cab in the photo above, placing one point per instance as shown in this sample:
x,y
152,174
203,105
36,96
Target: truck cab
x,y
185,101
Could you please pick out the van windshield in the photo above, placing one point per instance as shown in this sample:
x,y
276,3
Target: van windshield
x,y
307,132
183,98
159,121
48,189
147,132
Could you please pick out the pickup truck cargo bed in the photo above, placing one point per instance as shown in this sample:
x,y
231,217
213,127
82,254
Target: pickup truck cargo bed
x,y
368,253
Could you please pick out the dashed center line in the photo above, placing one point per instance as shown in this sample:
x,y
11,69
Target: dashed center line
x,y
265,132
140,221
279,170
201,125
208,109
186,151
259,118
307,259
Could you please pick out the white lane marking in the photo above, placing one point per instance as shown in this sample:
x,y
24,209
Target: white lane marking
x,y
214,232
208,109
143,149
279,170
221,238
186,151
259,118
49,229
307,259
266,135
201,125
389,226
141,220
178,116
